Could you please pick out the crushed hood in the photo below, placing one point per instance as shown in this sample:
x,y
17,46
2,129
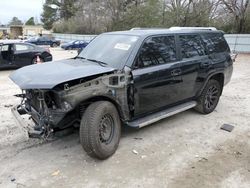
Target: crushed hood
x,y
48,75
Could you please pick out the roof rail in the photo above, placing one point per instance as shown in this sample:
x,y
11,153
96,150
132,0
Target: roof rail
x,y
146,28
193,28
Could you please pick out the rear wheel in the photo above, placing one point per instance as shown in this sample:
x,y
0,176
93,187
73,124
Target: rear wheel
x,y
54,45
34,60
100,130
209,98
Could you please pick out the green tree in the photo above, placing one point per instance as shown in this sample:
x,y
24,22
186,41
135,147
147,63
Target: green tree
x,y
30,21
49,15
67,9
15,21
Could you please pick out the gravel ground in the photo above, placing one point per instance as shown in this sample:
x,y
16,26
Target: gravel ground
x,y
185,150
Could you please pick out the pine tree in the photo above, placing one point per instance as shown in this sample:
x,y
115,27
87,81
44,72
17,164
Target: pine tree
x,y
30,21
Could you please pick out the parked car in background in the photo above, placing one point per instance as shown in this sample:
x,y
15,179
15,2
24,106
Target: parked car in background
x,y
44,41
18,54
74,45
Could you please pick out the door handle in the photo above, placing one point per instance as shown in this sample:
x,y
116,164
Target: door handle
x,y
176,72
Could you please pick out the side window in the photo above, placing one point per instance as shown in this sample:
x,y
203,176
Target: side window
x,y
21,47
191,46
215,43
157,50
5,48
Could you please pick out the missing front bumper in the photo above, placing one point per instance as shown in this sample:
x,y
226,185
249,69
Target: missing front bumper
x,y
17,112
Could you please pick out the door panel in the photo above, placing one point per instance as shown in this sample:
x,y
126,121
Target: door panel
x,y
157,75
194,63
22,55
145,89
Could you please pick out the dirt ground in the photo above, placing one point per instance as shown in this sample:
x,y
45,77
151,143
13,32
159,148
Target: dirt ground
x,y
185,150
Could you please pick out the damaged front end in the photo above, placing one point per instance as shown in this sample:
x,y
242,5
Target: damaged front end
x,y
63,105
44,109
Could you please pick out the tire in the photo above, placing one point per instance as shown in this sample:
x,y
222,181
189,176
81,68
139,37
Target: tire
x,y
54,45
209,97
100,130
34,60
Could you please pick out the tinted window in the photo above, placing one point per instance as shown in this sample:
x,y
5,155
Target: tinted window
x,y
215,43
191,46
157,50
21,47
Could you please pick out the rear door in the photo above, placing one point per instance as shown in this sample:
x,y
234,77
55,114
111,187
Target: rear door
x,y
194,63
23,54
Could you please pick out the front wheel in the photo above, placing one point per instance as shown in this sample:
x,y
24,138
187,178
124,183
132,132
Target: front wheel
x,y
100,130
209,97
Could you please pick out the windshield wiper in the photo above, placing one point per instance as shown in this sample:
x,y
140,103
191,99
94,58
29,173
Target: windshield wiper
x,y
79,57
99,62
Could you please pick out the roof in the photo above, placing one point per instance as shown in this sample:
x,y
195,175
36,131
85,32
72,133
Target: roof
x,y
14,42
158,31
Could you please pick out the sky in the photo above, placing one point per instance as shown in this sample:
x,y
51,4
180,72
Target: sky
x,y
23,9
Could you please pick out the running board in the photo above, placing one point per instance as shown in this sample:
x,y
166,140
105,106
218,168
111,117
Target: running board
x,y
152,118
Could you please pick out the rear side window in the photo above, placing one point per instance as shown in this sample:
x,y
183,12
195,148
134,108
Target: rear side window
x,y
215,43
191,46
21,47
157,50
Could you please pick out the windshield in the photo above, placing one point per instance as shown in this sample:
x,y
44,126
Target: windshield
x,y
113,50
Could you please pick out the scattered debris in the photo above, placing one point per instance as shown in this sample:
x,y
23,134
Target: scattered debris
x,y
203,159
8,105
135,152
138,138
227,127
56,173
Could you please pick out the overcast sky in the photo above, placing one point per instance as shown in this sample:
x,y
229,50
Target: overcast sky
x,y
23,9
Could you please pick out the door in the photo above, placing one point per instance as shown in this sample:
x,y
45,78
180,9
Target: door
x,y
23,54
154,85
194,63
6,56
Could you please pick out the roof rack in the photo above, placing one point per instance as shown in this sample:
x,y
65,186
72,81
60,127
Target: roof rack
x,y
193,28
146,28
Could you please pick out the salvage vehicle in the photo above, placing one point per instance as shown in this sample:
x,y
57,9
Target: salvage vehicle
x,y
74,45
18,54
44,41
133,78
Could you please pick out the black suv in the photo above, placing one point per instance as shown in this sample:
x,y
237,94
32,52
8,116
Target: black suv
x,y
132,78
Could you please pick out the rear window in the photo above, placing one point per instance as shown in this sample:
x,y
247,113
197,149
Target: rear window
x,y
191,46
215,43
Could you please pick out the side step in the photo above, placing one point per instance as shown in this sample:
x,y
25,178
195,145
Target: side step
x,y
141,122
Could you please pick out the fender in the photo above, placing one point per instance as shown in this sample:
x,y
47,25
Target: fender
x,y
207,79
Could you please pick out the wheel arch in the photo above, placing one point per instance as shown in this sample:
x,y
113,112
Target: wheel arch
x,y
89,101
219,76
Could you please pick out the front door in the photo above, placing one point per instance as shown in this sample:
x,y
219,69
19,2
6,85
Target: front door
x,y
6,56
156,75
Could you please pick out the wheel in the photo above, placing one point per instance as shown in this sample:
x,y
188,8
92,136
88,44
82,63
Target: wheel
x,y
34,60
54,45
100,130
209,97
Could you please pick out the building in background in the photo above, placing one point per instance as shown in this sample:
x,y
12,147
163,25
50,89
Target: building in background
x,y
22,31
